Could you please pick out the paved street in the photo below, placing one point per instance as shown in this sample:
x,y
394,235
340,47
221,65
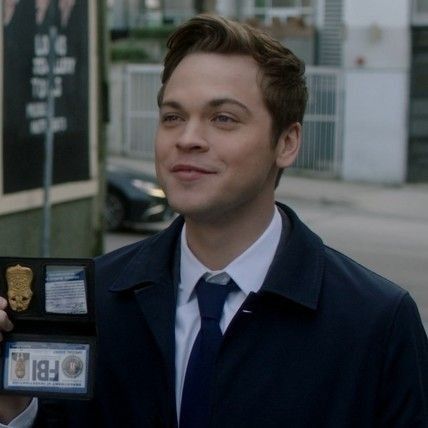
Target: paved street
x,y
384,228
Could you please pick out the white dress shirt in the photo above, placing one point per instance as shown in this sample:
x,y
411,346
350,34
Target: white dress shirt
x,y
248,271
26,418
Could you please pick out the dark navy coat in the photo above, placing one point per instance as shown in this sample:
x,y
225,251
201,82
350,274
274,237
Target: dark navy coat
x,y
324,343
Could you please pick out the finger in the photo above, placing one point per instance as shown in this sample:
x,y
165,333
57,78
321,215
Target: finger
x,y
3,303
5,323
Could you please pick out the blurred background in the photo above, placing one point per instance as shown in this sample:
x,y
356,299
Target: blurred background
x,y
78,116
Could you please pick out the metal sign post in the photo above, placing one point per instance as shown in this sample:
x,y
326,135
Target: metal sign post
x,y
49,140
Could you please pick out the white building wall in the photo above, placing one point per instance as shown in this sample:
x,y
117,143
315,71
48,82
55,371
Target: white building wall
x,y
375,126
319,6
389,13
376,64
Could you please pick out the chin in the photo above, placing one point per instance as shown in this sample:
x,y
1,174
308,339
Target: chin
x,y
195,210
187,210
188,201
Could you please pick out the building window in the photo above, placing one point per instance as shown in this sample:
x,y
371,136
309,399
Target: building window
x,y
282,9
421,6
420,12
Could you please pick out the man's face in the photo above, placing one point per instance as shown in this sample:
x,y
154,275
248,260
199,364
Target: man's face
x,y
214,154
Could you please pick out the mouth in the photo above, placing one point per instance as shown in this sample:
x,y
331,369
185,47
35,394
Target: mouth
x,y
190,172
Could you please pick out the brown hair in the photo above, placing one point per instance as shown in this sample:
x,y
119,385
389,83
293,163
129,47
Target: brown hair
x,y
282,73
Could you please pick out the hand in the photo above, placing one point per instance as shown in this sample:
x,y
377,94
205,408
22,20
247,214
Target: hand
x,y
10,406
5,323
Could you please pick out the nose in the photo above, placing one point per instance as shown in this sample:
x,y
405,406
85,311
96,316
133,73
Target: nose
x,y
192,137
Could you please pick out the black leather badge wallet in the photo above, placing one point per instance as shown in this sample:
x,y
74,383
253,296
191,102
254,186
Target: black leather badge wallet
x,y
51,350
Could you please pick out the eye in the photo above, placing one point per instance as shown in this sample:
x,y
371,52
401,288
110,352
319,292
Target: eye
x,y
224,121
170,118
223,118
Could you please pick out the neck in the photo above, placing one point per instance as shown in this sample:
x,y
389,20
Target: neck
x,y
218,243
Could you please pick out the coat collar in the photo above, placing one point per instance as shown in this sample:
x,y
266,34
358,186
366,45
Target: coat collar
x,y
297,269
295,274
155,262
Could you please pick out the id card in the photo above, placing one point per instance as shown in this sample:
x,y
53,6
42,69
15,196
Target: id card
x,y
65,289
46,367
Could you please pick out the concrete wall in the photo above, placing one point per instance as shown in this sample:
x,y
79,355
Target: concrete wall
x,y
73,233
376,63
377,33
375,134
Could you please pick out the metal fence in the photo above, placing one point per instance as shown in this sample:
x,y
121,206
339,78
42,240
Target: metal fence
x,y
321,150
137,87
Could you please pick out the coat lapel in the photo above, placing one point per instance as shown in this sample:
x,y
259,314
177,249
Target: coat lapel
x,y
157,302
153,276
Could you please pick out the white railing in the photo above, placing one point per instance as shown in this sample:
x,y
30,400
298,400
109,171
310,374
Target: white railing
x,y
134,116
321,150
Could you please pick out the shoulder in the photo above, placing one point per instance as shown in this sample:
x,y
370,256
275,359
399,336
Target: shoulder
x,y
114,261
360,301
356,280
341,283
147,259
348,292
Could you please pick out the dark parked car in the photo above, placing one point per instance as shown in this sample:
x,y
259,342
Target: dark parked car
x,y
135,200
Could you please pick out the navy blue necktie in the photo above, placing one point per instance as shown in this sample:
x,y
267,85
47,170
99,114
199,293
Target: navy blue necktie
x,y
196,397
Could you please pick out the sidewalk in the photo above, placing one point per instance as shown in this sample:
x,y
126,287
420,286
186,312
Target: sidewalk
x,y
408,201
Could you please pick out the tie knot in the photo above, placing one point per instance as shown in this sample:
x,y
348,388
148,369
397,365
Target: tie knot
x,y
212,293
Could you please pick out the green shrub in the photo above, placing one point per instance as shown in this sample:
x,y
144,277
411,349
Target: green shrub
x,y
128,50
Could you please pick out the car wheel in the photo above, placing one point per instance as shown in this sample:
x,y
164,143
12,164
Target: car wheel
x,y
114,211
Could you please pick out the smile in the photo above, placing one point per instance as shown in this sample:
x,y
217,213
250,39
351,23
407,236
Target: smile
x,y
190,172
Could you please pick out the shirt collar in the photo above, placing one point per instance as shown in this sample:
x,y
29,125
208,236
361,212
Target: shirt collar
x,y
248,270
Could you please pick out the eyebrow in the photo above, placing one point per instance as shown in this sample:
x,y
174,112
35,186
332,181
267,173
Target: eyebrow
x,y
217,102
172,104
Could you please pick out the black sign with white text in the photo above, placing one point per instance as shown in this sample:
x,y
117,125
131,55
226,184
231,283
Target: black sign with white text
x,y
27,47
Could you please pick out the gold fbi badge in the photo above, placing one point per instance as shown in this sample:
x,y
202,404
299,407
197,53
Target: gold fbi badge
x,y
19,292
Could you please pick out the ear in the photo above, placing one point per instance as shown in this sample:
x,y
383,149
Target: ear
x,y
288,145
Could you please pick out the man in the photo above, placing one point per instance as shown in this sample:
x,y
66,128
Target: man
x,y
302,336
